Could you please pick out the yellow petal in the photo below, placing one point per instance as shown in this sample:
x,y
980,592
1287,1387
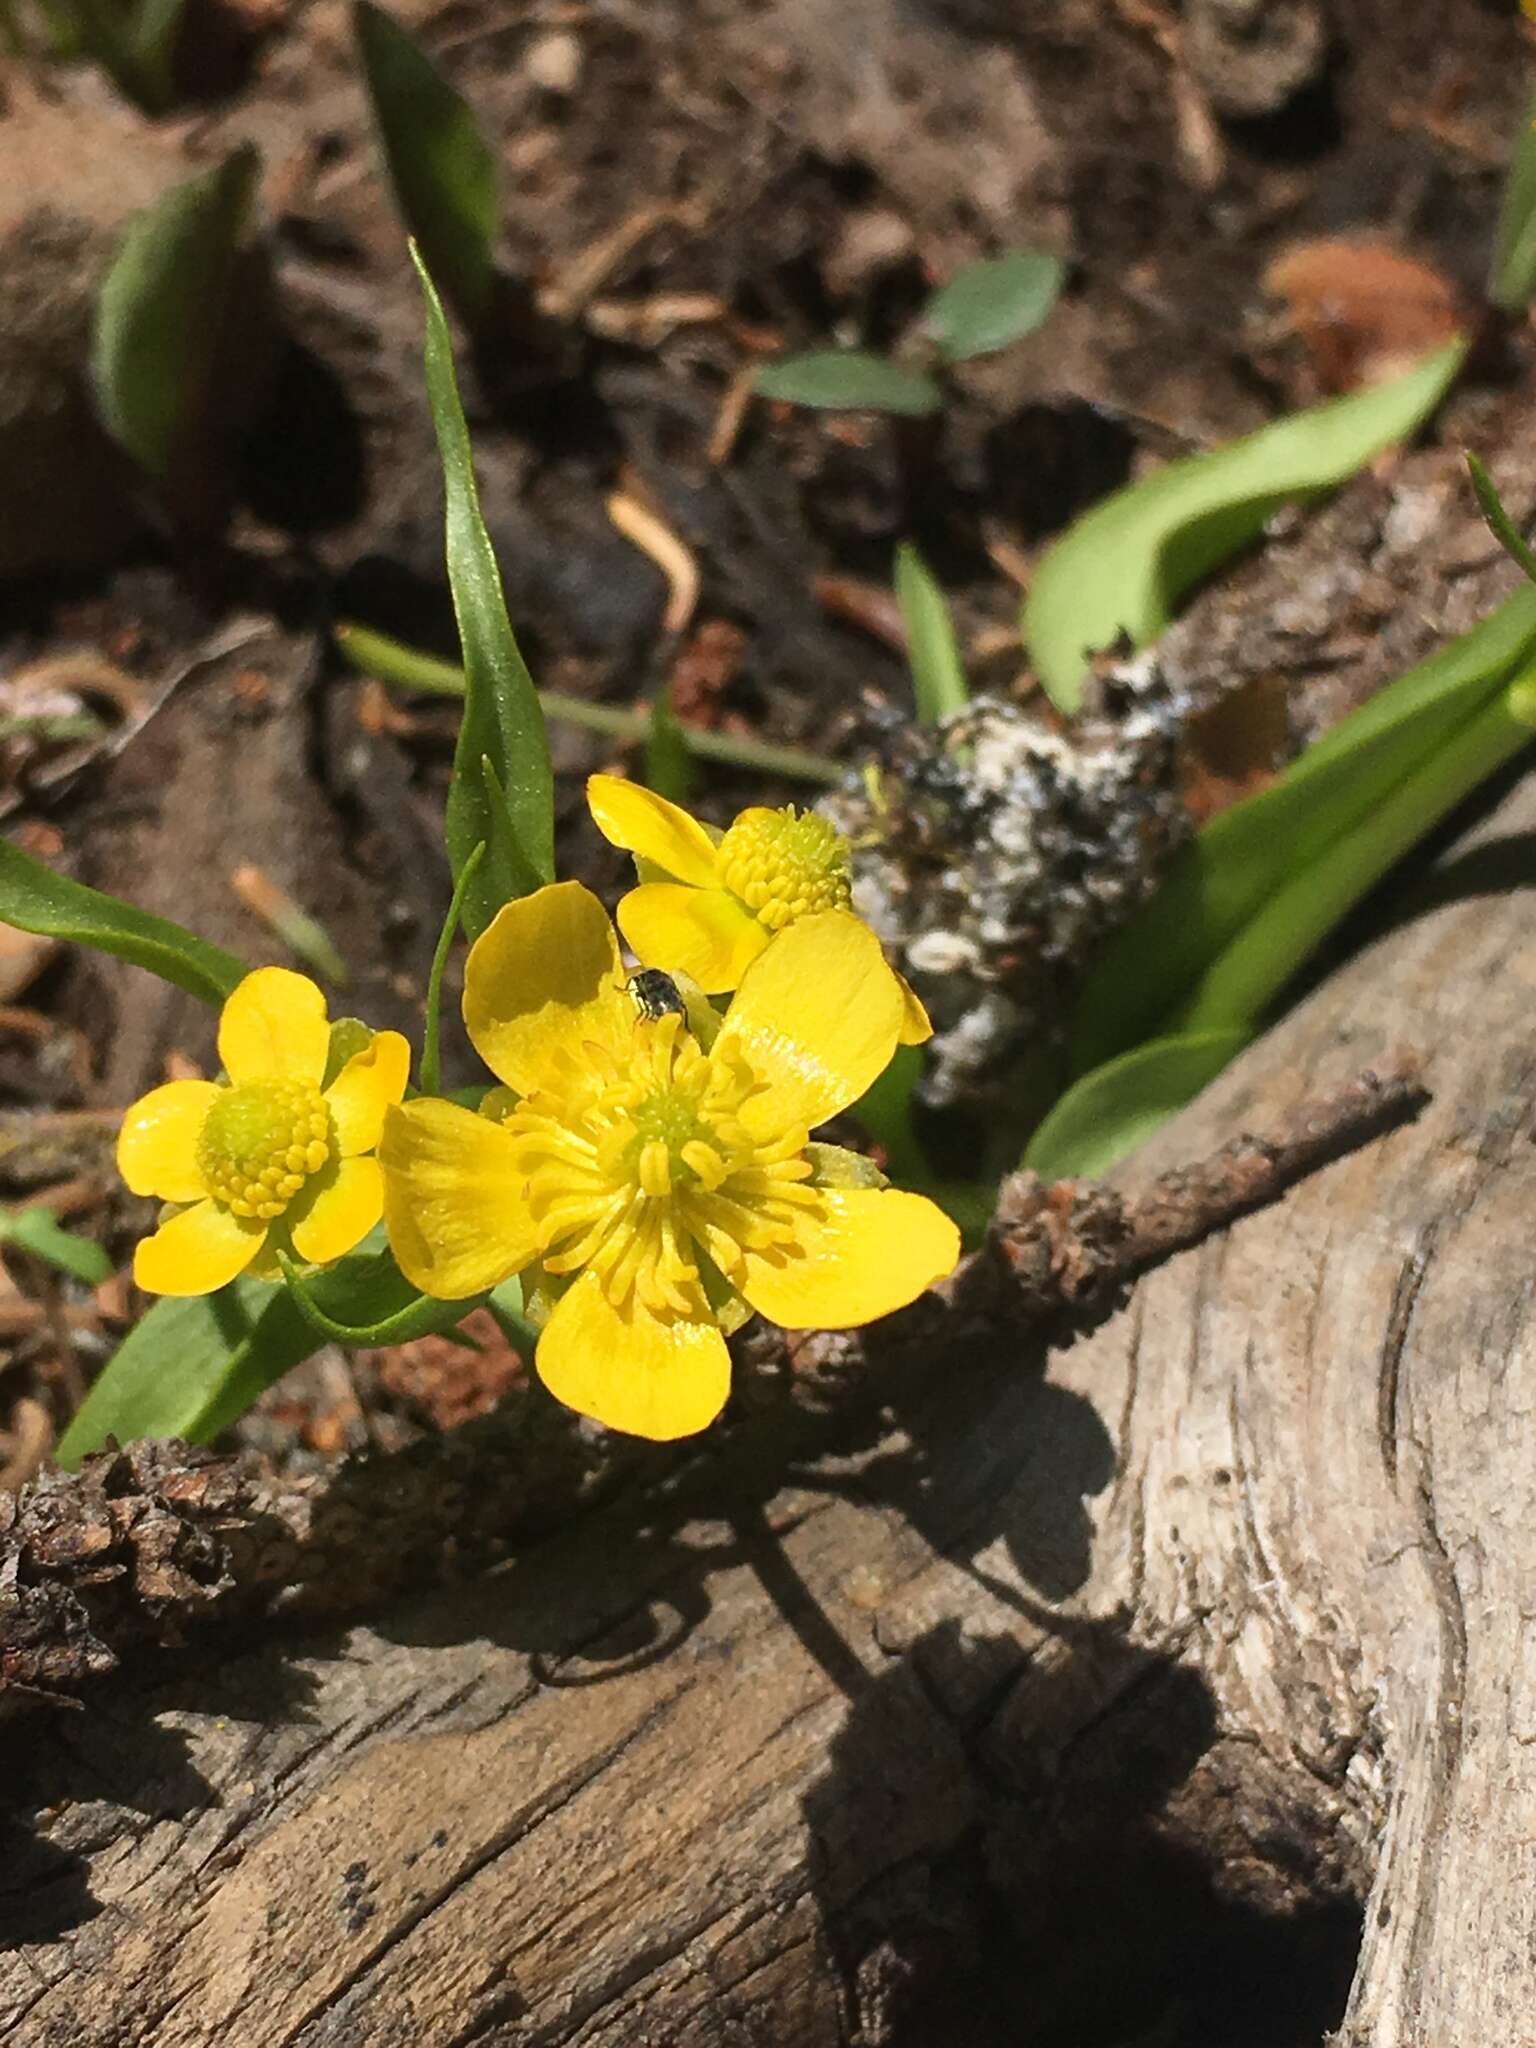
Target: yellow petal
x,y
543,976
702,932
453,1199
203,1248
863,1253
816,1018
646,824
915,1026
338,1209
157,1146
370,1082
631,1371
274,1027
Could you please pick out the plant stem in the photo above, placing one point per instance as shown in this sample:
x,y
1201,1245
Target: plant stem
x,y
1243,979
431,1056
408,668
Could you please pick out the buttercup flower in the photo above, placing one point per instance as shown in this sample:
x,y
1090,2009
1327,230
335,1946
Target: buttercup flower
x,y
269,1158
708,903
657,1189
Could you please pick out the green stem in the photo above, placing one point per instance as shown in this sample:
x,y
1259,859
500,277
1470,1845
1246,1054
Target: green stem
x,y
431,1054
422,1317
1244,978
408,668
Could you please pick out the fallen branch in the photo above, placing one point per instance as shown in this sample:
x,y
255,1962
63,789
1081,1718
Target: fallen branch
x,y
149,1542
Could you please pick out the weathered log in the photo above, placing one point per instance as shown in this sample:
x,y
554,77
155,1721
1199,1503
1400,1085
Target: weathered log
x,y
1151,1691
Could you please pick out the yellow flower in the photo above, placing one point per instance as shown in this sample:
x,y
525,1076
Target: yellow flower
x,y
659,1190
269,1158
708,905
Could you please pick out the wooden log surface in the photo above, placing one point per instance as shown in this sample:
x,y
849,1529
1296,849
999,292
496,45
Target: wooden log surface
x,y
1177,1685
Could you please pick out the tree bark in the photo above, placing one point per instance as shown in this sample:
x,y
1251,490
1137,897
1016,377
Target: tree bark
x,y
1175,1686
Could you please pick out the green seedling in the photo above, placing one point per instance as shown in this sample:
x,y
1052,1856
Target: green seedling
x,y
985,308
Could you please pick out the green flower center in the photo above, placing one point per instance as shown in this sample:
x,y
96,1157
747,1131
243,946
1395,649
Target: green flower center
x,y
671,1121
785,864
261,1142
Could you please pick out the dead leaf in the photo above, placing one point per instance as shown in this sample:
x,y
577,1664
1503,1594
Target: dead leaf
x,y
1365,311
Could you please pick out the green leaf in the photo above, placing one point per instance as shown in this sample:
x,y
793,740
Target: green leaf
x,y
35,899
1119,571
849,380
1246,976
38,1231
991,304
1292,837
156,26
503,724
443,171
668,763
1112,1110
160,309
1502,527
885,1112
133,47
191,1367
933,653
349,1037
394,1313
1512,277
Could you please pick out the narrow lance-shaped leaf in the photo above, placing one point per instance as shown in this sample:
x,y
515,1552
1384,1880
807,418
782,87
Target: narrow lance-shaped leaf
x,y
988,305
503,724
160,308
933,653
191,1367
1119,571
1512,277
1116,1106
668,763
36,899
1250,972
440,166
849,380
1246,857
1108,1113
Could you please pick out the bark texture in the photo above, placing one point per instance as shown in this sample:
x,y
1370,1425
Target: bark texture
x,y
1174,1686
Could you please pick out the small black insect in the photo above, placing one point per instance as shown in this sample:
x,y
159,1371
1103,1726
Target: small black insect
x,y
656,994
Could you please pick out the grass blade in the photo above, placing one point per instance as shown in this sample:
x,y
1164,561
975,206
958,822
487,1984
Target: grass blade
x,y
1502,527
933,653
36,899
160,310
503,723
440,166
1118,572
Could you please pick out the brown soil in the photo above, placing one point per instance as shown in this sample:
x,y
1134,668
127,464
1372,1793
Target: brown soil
x,y
691,185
